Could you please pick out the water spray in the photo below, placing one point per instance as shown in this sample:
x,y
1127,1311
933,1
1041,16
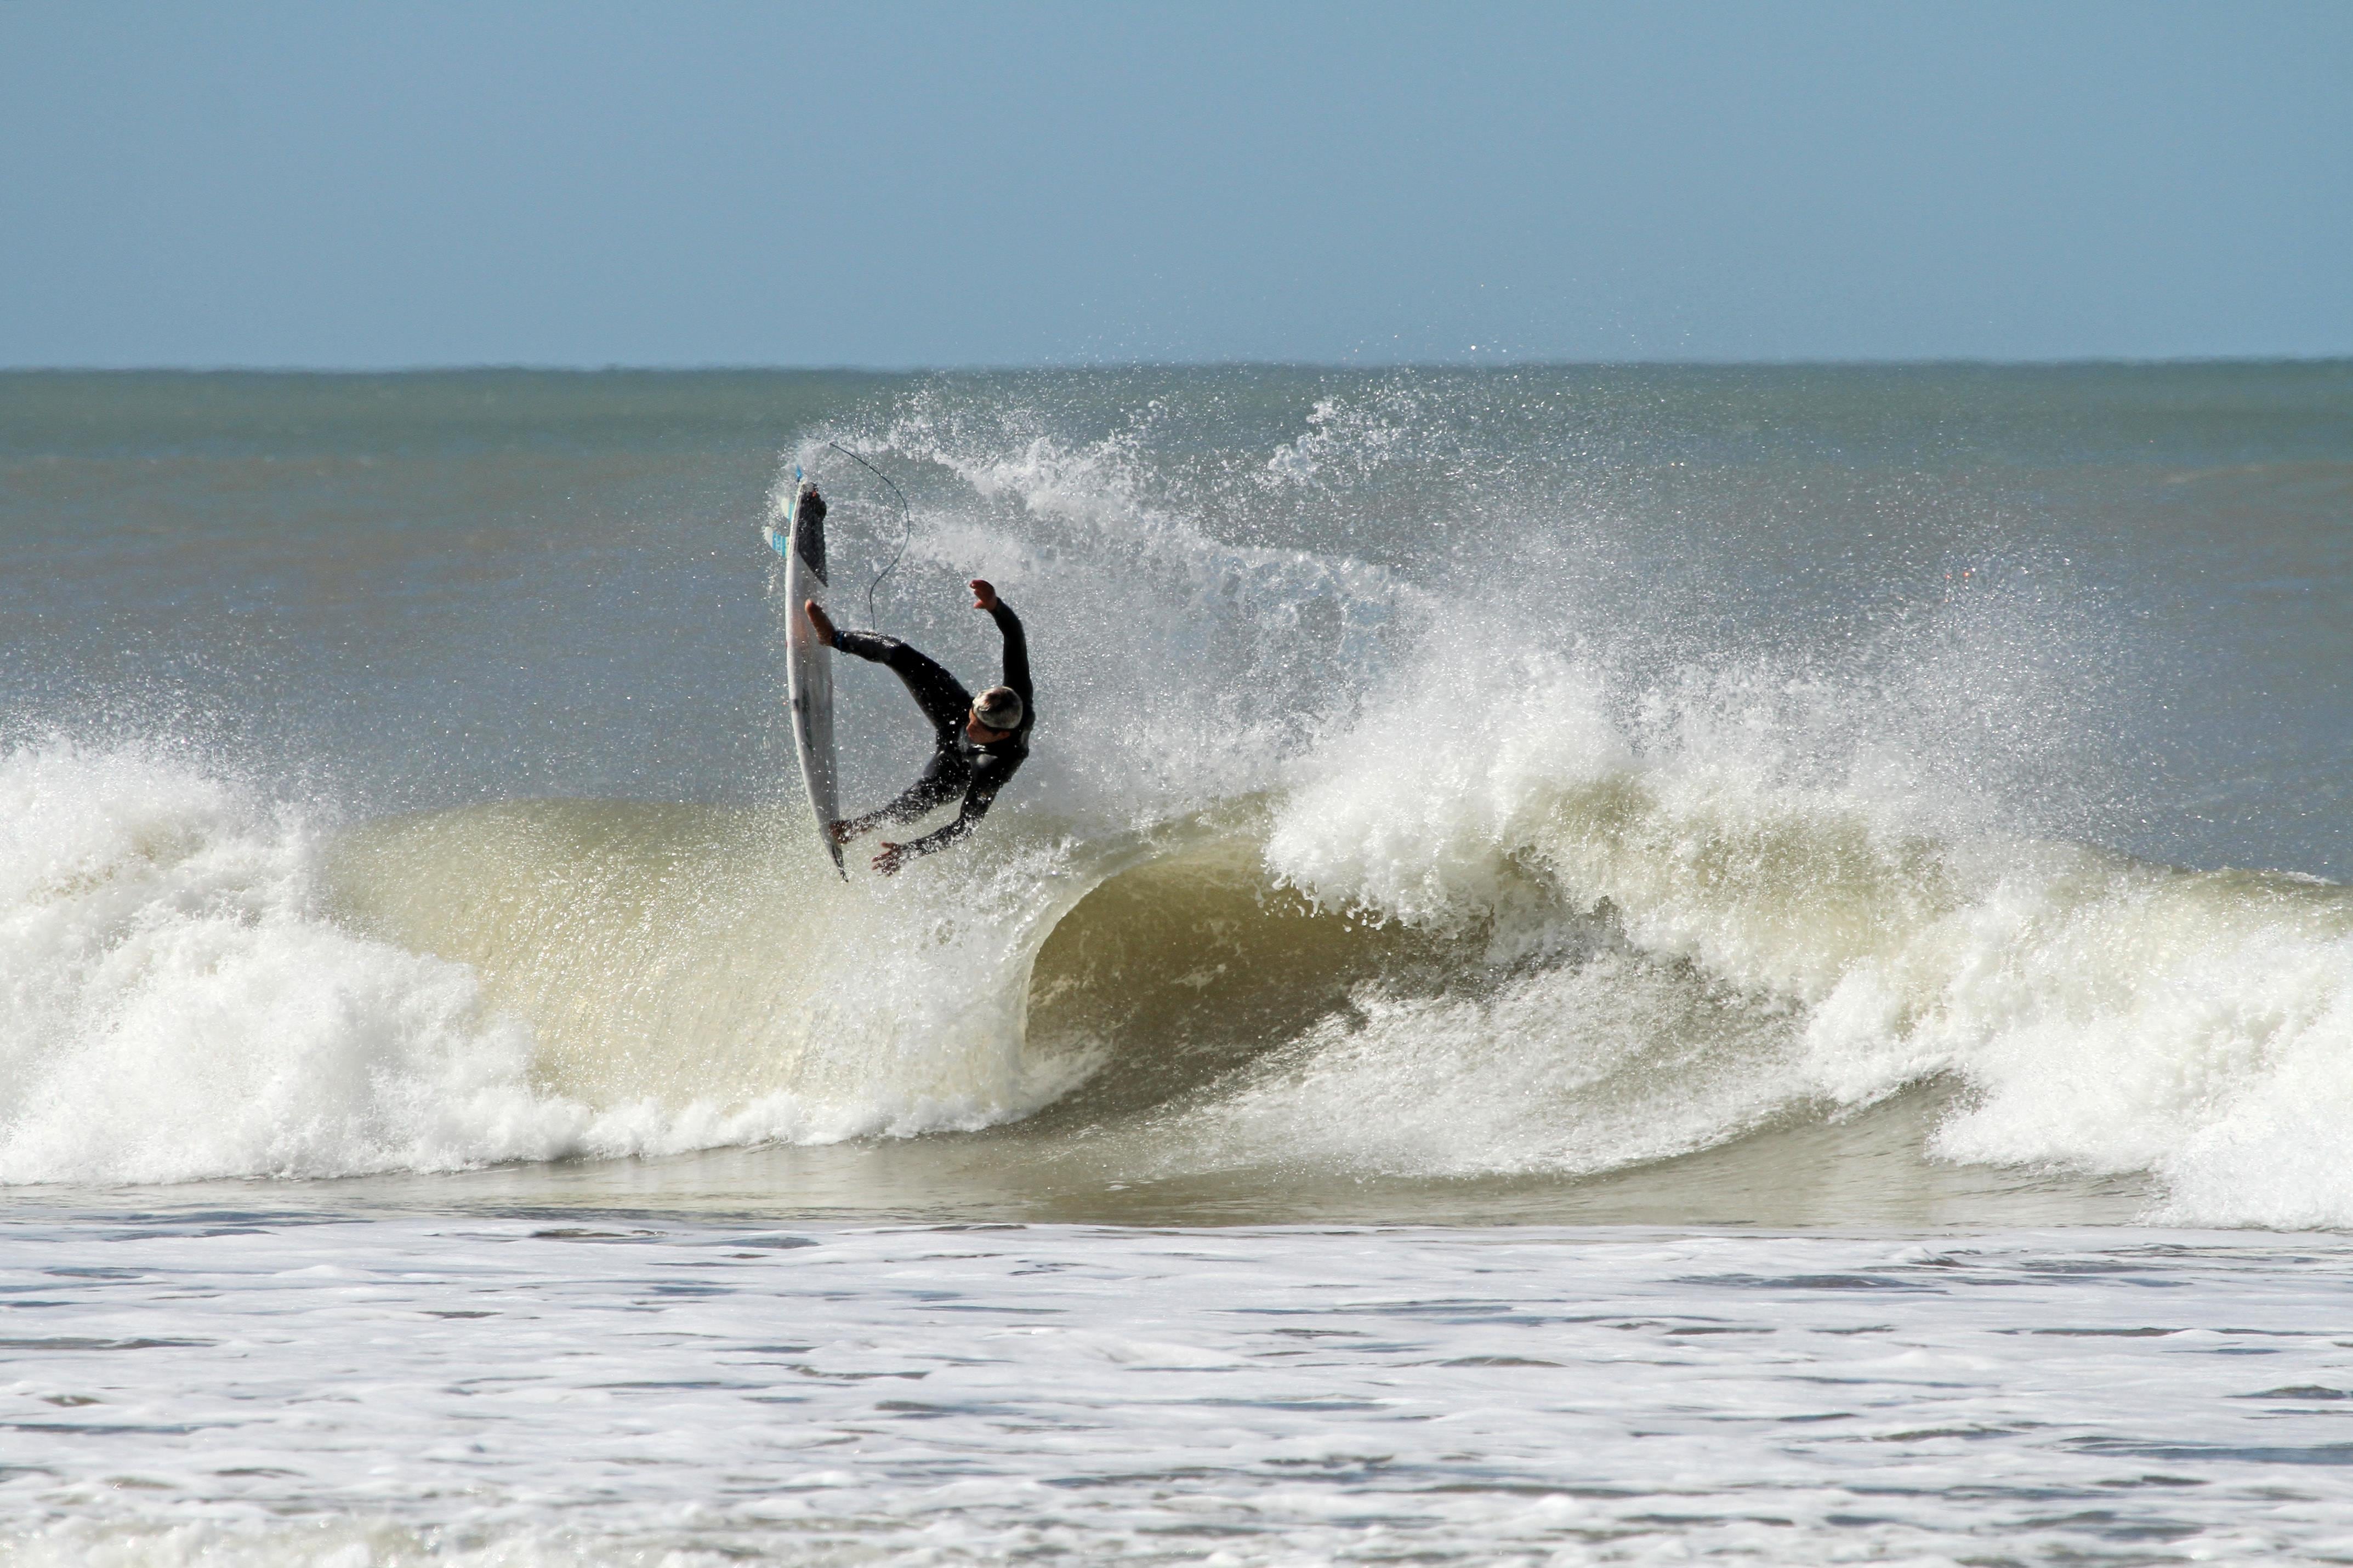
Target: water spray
x,y
905,538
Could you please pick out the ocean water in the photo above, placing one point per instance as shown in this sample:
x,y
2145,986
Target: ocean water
x,y
1591,965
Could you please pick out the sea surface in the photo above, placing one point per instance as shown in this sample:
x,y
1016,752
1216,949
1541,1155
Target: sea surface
x,y
1591,965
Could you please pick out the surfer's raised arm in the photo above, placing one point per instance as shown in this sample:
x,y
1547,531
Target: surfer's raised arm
x,y
1017,641
978,742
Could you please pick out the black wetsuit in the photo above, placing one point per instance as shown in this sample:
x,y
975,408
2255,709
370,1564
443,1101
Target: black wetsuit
x,y
958,765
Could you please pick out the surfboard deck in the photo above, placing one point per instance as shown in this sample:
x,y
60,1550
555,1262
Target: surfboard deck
x,y
808,666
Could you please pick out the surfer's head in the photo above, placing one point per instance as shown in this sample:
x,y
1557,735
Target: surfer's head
x,y
995,713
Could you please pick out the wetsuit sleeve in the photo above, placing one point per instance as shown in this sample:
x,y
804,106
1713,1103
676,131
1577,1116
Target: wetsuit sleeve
x,y
919,799
978,797
1017,653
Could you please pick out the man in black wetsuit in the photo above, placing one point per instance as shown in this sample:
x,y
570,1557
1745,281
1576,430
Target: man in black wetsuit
x,y
979,742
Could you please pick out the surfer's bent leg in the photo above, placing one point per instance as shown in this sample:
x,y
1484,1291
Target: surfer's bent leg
x,y
942,699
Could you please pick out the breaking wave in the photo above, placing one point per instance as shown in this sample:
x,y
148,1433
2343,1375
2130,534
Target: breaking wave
x,y
1554,959
1415,892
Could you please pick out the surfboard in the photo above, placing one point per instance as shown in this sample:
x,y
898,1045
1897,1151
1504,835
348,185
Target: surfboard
x,y
808,668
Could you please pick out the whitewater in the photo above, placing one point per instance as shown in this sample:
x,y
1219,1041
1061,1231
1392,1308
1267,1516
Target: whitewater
x,y
1898,814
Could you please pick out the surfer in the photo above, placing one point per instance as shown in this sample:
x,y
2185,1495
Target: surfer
x,y
980,742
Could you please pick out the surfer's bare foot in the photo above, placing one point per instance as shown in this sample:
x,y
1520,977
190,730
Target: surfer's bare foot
x,y
893,856
819,621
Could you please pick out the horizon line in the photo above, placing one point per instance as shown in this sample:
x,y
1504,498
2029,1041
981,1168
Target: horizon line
x,y
521,367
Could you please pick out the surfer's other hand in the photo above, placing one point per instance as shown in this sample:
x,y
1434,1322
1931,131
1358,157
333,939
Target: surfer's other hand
x,y
893,856
841,831
819,621
983,595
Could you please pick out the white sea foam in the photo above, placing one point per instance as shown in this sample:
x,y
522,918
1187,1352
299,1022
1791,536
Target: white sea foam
x,y
177,1010
183,1004
499,1394
1569,1068
2108,1015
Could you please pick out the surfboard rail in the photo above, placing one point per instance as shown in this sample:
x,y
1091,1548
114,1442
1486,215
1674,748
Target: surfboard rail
x,y
808,669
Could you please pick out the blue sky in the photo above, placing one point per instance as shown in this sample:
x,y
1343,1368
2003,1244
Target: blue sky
x,y
897,185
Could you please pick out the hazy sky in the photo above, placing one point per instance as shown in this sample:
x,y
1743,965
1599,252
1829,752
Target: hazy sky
x,y
361,185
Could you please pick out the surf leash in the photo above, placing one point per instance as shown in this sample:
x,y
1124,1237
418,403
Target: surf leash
x,y
905,538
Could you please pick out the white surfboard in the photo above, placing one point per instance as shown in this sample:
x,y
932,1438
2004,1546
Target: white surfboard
x,y
808,668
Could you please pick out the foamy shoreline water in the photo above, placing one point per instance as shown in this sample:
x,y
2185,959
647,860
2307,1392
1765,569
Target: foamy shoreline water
x,y
258,1389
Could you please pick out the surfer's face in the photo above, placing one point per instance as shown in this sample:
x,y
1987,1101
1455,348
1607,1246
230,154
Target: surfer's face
x,y
979,734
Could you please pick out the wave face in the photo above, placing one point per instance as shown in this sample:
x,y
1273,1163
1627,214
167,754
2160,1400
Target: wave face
x,y
1432,787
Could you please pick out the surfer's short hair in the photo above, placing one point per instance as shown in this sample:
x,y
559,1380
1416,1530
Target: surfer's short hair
x,y
999,707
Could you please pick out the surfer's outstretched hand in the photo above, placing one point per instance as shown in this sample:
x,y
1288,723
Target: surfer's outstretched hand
x,y
893,856
984,595
841,831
